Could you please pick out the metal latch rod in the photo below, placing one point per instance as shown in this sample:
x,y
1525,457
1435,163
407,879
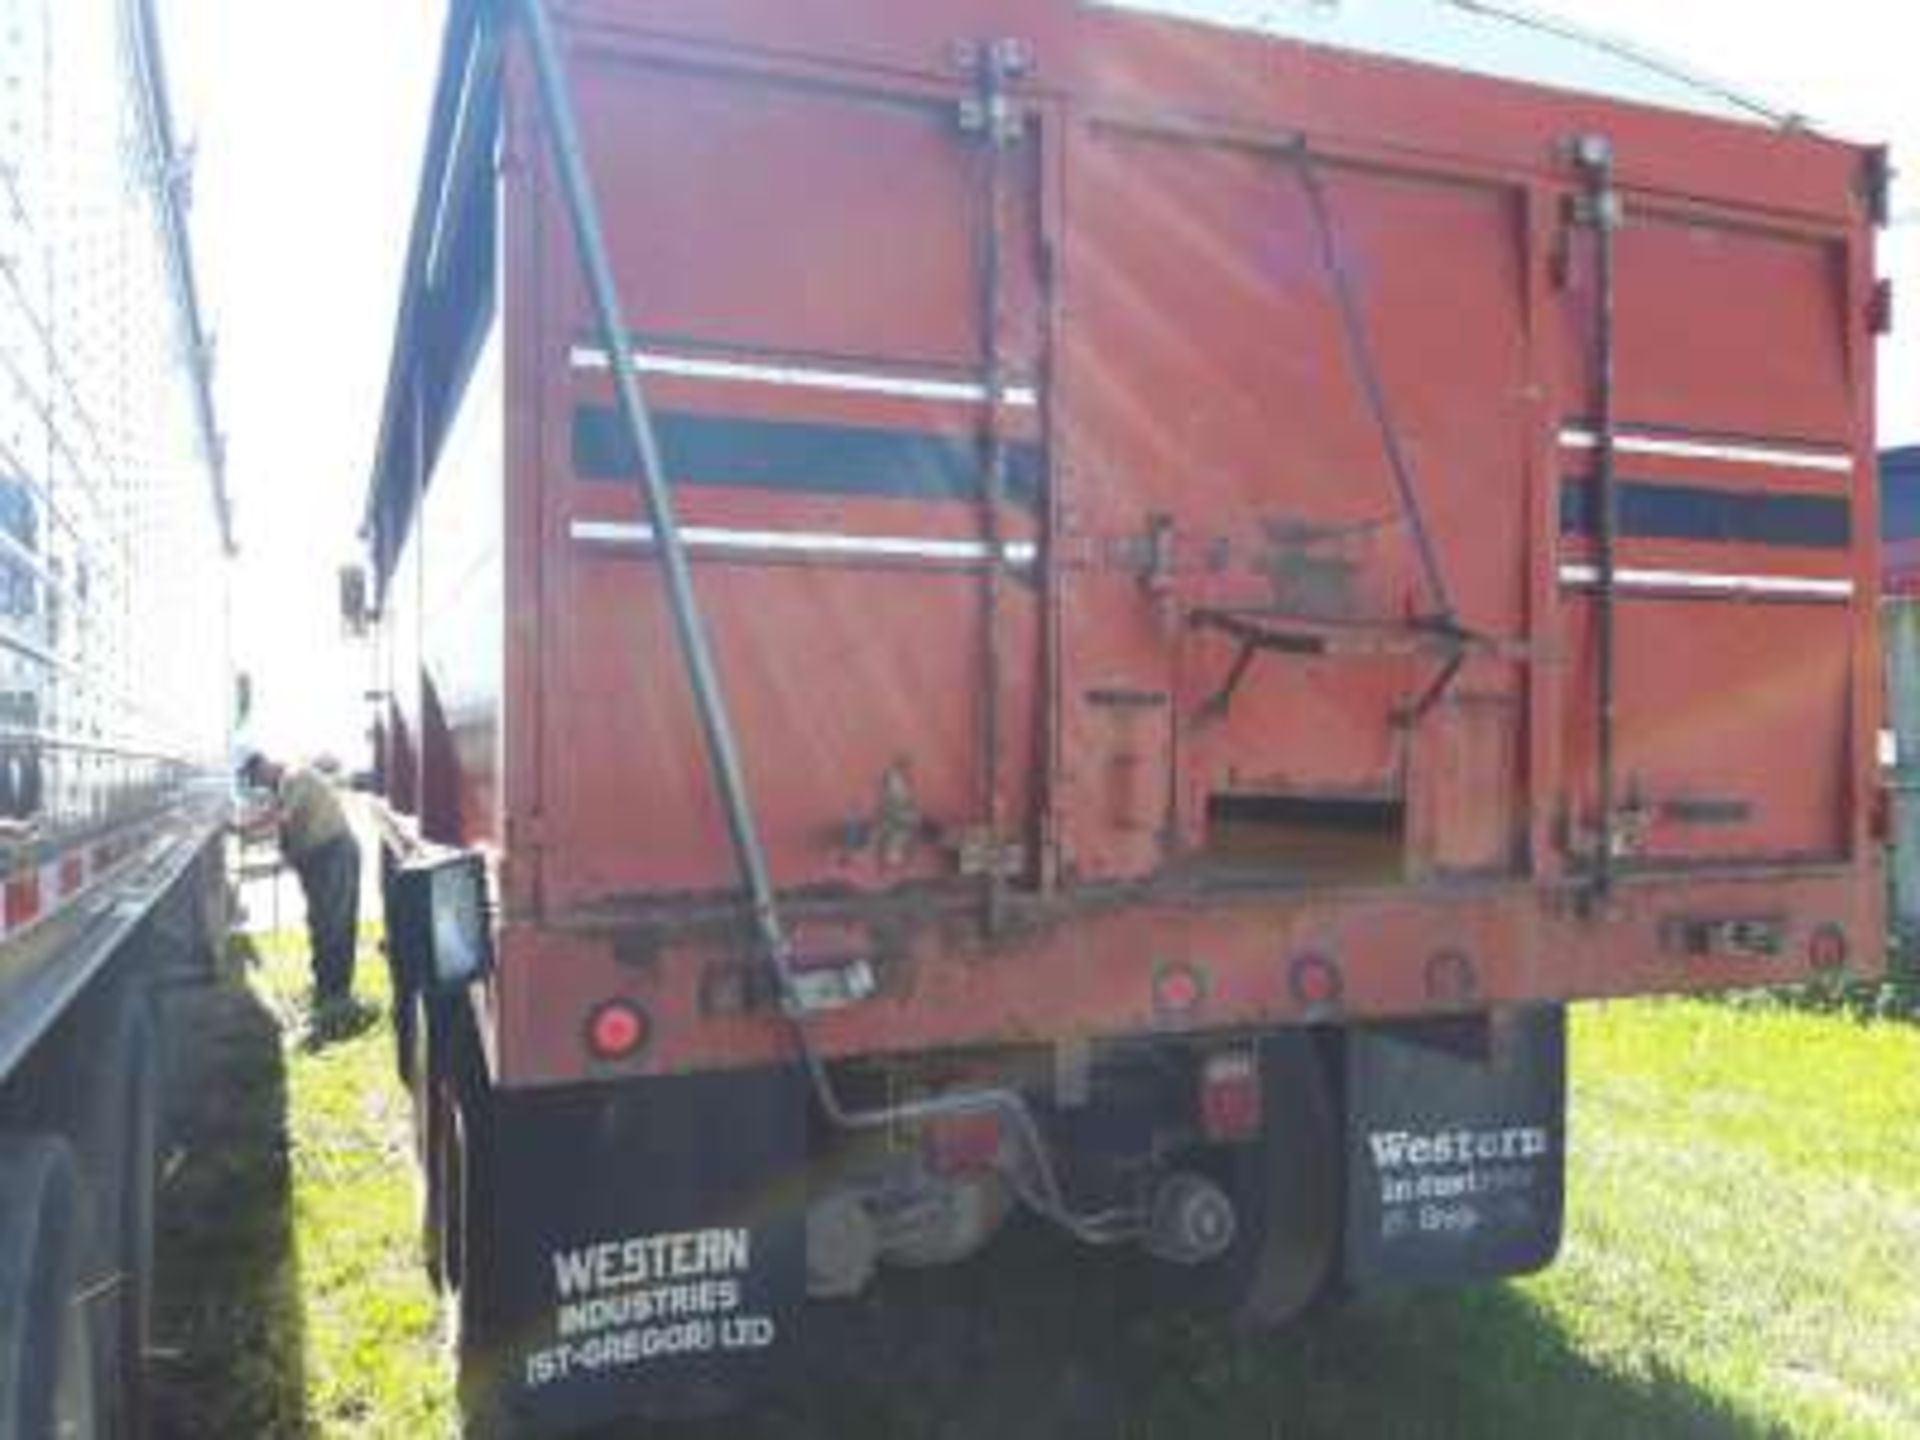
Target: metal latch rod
x,y
590,239
997,64
1602,211
1373,386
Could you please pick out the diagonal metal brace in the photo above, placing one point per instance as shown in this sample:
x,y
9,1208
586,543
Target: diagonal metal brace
x,y
1260,633
690,630
1037,1181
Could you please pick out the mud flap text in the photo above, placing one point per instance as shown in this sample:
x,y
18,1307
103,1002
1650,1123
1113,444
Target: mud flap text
x,y
626,1302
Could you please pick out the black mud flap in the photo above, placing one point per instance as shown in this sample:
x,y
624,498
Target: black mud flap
x,y
640,1250
1456,1148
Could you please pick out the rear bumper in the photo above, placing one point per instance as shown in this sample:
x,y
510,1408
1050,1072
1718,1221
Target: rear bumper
x,y
1142,964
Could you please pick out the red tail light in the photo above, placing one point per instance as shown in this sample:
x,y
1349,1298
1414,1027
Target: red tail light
x,y
617,1030
964,1144
1827,949
1230,1100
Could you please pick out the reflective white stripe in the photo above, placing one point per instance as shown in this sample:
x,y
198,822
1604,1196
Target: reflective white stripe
x,y
1795,587
808,542
853,382
1835,462
51,893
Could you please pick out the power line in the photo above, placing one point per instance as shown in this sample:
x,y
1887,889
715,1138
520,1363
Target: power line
x,y
1634,54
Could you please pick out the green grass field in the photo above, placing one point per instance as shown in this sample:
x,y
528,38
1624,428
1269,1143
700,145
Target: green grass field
x,y
291,1299
1743,1257
1742,1246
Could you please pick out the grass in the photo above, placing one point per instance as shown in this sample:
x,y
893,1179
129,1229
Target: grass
x,y
1742,1246
1749,1203
291,1282
1743,1231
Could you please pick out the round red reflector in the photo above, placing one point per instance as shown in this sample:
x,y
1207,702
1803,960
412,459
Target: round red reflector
x,y
1827,949
1178,989
616,1030
1315,981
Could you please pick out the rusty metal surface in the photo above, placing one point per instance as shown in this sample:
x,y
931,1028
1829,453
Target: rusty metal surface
x,y
1281,491
1089,971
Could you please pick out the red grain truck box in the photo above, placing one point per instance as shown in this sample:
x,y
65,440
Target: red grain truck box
x,y
1228,576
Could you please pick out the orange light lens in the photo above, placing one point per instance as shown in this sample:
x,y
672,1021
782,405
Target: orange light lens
x,y
1230,1096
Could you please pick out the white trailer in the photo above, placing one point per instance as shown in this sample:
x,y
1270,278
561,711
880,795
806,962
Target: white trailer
x,y
114,690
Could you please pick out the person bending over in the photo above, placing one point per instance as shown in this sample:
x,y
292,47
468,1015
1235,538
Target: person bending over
x,y
318,844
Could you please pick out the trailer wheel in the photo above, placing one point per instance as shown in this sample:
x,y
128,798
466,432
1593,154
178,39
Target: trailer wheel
x,y
453,1098
405,988
138,1171
48,1380
215,918
1286,1191
439,1081
468,1255
429,1135
469,1261
117,1071
449,1182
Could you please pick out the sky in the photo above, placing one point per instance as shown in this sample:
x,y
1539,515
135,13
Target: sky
x,y
307,122
1849,67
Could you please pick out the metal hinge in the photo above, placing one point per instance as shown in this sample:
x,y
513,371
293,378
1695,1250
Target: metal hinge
x,y
1880,311
990,112
1599,207
1876,184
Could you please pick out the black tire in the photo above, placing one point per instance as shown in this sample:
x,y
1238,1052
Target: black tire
x,y
117,1074
214,922
451,1184
407,1042
139,1174
469,1254
48,1379
1287,1191
429,1138
468,1258
481,1381
439,1132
